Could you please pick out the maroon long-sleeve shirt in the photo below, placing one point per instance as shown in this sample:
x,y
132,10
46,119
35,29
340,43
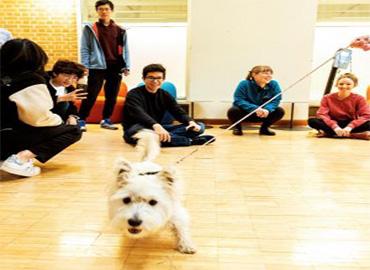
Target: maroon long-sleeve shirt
x,y
354,107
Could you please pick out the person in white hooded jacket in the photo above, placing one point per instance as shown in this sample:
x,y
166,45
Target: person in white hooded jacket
x,y
29,130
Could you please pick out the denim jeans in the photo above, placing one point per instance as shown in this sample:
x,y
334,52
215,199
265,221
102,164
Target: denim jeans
x,y
180,136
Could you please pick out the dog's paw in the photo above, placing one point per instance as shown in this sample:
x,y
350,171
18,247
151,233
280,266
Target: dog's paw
x,y
186,248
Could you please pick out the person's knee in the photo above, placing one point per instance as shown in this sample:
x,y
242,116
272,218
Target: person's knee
x,y
367,125
234,113
202,127
312,122
280,112
130,140
76,134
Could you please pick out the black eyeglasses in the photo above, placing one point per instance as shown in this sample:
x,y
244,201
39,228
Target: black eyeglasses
x,y
150,78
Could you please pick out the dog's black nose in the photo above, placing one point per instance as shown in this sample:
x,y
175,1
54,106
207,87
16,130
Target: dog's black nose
x,y
134,222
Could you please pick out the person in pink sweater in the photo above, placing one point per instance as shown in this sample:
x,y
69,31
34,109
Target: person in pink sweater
x,y
343,114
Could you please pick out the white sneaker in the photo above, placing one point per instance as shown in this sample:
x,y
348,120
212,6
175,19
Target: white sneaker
x,y
15,166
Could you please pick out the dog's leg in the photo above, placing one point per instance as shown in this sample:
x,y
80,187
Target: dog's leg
x,y
180,223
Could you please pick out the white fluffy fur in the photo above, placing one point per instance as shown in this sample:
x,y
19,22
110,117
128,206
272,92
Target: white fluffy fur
x,y
145,198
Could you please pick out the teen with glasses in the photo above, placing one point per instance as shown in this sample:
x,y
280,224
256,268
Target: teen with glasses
x,y
144,109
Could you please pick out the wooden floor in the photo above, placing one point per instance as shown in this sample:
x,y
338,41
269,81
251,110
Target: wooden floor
x,y
291,201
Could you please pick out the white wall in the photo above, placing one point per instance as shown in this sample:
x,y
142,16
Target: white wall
x,y
328,39
157,43
226,38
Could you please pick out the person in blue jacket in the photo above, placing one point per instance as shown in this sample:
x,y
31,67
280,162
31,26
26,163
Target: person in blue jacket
x,y
104,51
252,92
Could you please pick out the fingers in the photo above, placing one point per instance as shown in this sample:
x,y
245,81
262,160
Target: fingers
x,y
77,95
165,137
79,90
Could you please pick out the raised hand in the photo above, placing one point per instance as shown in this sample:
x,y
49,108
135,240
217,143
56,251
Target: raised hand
x,y
77,94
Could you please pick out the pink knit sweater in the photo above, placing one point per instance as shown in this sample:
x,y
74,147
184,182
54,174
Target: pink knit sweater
x,y
353,107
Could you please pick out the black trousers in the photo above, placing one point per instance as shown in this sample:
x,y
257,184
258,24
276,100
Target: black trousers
x,y
235,114
44,142
112,77
319,124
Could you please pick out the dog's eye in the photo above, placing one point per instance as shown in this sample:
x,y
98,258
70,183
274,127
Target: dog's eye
x,y
153,202
126,200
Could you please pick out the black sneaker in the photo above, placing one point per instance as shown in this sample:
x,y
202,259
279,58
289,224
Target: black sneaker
x,y
202,139
267,131
237,132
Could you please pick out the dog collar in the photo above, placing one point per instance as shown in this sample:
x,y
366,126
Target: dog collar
x,y
149,173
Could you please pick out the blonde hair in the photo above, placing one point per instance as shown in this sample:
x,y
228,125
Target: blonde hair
x,y
258,69
348,75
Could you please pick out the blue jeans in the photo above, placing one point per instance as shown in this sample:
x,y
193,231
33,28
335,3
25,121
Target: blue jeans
x,y
180,136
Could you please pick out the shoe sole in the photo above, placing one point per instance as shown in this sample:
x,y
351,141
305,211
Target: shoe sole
x,y
14,171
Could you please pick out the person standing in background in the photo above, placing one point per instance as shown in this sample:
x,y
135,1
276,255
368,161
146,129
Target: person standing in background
x,y
104,51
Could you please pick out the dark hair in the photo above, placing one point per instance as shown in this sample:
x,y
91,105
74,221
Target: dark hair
x,y
21,55
102,3
68,67
350,76
258,69
154,68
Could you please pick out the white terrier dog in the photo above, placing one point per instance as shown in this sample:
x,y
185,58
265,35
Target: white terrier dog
x,y
145,198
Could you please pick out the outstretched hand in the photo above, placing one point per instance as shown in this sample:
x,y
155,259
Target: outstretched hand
x,y
77,94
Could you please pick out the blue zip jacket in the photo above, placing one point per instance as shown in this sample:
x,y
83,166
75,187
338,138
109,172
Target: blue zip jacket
x,y
249,95
92,55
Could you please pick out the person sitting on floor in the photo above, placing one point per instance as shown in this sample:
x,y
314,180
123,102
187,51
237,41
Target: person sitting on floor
x,y
343,114
144,109
29,130
251,93
60,83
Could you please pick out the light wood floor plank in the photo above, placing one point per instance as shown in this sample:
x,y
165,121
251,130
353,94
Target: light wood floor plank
x,y
287,202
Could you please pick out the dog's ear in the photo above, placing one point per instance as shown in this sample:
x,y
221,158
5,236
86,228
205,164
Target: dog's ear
x,y
123,169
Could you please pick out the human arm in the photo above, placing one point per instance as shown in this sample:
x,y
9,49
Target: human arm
x,y
361,110
324,113
276,91
34,104
85,46
175,109
74,95
193,126
241,98
163,134
126,55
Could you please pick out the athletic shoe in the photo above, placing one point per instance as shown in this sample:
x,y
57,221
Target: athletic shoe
x,y
82,125
15,166
106,123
